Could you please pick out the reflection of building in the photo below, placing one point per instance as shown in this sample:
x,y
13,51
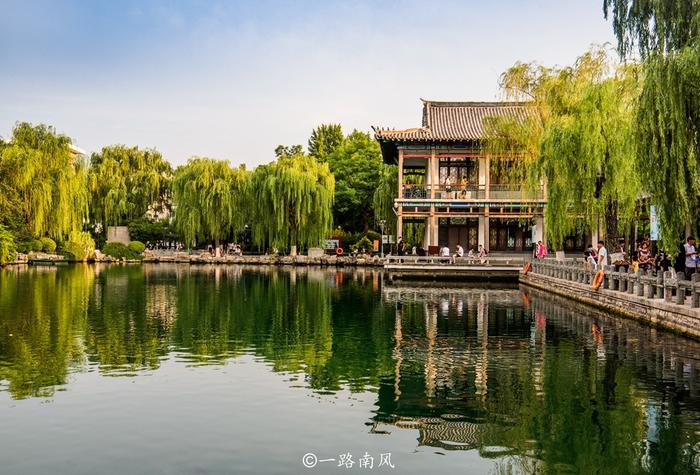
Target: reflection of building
x,y
449,185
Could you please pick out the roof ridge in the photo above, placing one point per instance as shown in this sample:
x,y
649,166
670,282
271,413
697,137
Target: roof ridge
x,y
428,102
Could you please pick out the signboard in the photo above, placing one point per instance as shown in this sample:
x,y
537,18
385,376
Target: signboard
x,y
653,224
375,245
331,244
386,239
534,233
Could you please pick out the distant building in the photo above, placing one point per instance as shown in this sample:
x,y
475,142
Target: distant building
x,y
448,183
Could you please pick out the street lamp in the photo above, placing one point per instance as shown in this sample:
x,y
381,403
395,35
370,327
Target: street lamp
x,y
382,223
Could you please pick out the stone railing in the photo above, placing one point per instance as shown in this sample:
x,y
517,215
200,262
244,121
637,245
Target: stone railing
x,y
668,286
512,261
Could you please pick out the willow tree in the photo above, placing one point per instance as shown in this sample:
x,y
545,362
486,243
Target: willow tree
x,y
666,35
577,139
209,198
383,197
126,182
44,184
293,198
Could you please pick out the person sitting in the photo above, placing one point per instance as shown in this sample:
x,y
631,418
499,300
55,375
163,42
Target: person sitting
x,y
407,189
590,261
448,186
482,253
445,251
644,259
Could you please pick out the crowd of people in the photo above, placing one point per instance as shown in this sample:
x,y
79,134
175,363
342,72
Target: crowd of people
x,y
642,256
444,251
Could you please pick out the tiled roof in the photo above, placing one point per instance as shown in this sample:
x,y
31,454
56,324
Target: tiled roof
x,y
454,121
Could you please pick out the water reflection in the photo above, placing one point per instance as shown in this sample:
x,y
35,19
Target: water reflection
x,y
523,378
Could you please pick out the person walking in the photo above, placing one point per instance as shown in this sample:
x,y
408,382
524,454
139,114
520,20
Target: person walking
x,y
690,257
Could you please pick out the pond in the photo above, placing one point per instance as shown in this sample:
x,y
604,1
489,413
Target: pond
x,y
179,369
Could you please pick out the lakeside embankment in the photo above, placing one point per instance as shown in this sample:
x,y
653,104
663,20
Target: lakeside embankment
x,y
665,301
185,258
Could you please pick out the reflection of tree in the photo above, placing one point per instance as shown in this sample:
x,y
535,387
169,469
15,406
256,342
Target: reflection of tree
x,y
122,334
577,407
289,324
42,310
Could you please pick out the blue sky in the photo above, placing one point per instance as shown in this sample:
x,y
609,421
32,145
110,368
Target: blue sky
x,y
232,80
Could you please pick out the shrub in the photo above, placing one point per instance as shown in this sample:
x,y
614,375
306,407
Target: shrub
x,y
79,246
8,250
48,244
363,243
119,251
24,247
137,246
36,245
374,235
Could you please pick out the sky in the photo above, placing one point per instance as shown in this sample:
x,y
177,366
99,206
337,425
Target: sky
x,y
234,79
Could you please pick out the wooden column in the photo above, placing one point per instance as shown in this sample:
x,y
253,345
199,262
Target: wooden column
x,y
399,210
434,181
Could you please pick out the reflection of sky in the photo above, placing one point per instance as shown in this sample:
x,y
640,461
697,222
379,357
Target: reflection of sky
x,y
233,79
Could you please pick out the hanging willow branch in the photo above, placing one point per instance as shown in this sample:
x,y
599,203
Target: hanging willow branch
x,y
577,139
125,182
209,198
666,34
46,180
293,198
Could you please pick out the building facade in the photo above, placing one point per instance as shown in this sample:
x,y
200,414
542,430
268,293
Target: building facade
x,y
452,190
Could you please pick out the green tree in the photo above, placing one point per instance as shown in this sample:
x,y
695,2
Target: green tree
x,y
287,150
383,197
355,164
578,139
209,198
666,35
293,198
324,140
126,182
42,183
8,250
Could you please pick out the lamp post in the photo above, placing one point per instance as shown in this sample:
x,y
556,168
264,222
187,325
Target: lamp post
x,y
382,223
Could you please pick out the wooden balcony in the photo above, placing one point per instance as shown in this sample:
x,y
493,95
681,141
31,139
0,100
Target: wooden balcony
x,y
421,195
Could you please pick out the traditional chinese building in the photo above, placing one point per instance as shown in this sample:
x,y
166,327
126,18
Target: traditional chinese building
x,y
449,186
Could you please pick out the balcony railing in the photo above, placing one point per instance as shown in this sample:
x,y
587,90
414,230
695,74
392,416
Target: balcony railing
x,y
471,192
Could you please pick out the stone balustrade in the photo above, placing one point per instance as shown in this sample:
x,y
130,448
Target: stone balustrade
x,y
670,287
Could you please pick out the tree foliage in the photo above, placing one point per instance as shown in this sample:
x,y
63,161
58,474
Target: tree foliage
x,y
383,196
8,251
666,35
653,26
293,200
42,184
355,164
209,197
126,182
577,139
324,140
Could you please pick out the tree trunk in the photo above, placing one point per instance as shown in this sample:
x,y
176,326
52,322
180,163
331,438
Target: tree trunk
x,y
612,233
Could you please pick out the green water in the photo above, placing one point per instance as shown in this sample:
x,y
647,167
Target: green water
x,y
162,369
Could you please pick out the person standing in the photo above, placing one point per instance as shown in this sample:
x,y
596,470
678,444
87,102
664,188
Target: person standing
x,y
690,256
602,255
